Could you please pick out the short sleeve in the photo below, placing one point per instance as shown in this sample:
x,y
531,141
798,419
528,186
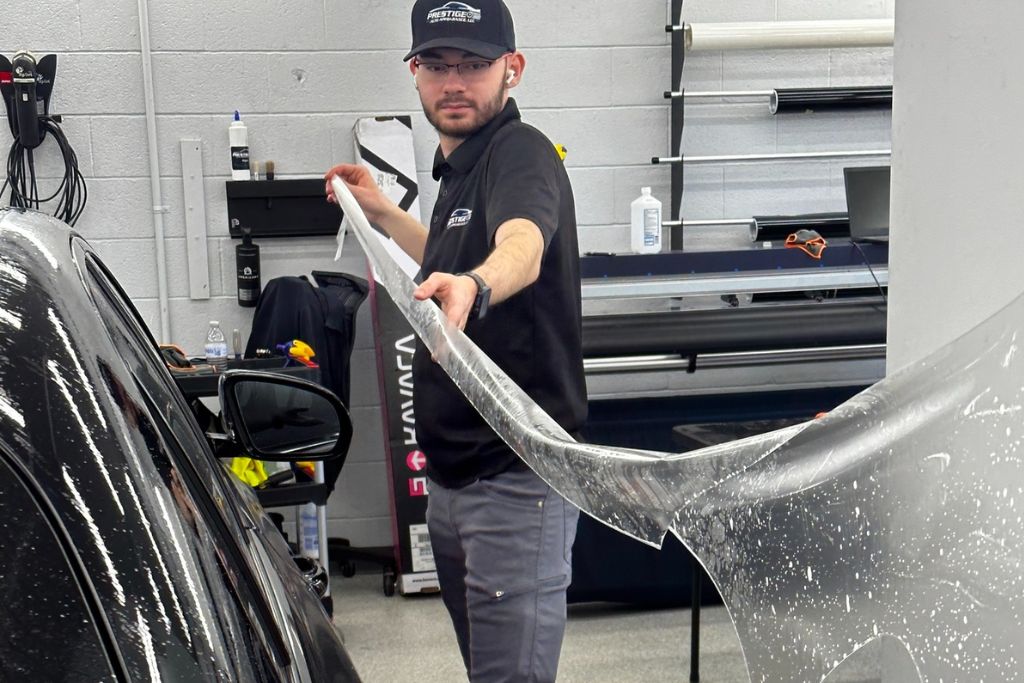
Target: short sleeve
x,y
522,181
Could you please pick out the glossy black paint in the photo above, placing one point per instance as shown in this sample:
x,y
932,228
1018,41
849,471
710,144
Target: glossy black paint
x,y
123,536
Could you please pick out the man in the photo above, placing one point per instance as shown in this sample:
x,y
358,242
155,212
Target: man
x,y
501,259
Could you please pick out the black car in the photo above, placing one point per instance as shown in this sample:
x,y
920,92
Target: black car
x,y
127,550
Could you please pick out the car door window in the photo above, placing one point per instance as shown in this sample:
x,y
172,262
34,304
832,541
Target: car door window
x,y
39,583
199,477
132,336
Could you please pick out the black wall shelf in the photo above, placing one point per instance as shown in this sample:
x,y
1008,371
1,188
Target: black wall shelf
x,y
281,208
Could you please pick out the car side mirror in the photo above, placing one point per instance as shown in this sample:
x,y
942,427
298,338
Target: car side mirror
x,y
285,419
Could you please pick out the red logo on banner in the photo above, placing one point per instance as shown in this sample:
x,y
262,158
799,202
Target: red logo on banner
x,y
418,487
416,461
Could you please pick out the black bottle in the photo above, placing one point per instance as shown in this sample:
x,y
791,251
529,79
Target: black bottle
x,y
247,261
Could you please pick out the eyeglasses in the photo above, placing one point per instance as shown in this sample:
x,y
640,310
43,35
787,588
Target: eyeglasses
x,y
470,72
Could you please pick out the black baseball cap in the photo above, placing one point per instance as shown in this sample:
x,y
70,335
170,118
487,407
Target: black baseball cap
x,y
483,27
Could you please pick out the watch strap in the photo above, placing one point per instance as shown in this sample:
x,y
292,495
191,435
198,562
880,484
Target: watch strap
x,y
483,295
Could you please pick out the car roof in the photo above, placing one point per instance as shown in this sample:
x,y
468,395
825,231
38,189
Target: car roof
x,y
48,342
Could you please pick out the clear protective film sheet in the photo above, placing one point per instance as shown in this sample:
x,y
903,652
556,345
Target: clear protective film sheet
x,y
895,515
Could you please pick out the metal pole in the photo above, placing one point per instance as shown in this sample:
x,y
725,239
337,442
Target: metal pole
x,y
786,100
321,528
747,94
710,222
793,280
732,359
784,156
678,179
153,149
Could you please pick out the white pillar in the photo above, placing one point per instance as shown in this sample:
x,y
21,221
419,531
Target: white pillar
x,y
957,245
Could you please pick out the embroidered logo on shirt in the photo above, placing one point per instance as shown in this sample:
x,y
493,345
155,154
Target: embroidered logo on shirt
x,y
458,12
459,218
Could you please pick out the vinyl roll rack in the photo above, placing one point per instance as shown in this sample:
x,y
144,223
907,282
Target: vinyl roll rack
x,y
687,38
768,35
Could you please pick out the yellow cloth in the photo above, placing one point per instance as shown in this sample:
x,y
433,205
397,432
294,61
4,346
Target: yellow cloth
x,y
248,470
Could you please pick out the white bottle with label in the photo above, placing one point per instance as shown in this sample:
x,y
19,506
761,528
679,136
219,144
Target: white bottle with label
x,y
645,227
309,531
238,135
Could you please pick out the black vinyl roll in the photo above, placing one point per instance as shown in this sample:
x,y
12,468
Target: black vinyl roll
x,y
790,100
727,330
773,228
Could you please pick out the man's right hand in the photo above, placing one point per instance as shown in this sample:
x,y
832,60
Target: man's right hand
x,y
374,203
407,231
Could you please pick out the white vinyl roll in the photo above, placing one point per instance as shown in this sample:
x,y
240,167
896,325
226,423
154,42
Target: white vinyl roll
x,y
790,35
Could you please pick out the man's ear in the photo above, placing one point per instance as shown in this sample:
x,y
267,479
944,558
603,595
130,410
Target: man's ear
x,y
516,66
412,70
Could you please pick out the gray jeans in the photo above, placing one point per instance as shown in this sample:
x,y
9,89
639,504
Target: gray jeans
x,y
503,550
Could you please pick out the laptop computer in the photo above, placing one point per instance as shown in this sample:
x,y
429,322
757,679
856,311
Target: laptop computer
x,y
867,202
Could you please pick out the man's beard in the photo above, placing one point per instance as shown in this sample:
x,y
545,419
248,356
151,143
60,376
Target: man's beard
x,y
469,125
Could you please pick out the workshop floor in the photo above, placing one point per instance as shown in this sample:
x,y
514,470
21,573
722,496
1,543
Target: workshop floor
x,y
399,640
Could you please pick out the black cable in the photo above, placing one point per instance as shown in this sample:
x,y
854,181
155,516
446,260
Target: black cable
x,y
71,194
33,188
72,189
871,270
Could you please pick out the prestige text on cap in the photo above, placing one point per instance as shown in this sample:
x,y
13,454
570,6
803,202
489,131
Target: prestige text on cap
x,y
483,27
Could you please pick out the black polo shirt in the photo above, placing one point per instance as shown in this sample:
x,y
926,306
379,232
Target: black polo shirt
x,y
505,171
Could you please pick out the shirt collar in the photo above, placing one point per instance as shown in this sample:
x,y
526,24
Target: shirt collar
x,y
468,153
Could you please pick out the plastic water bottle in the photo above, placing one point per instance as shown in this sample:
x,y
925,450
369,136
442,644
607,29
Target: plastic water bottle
x,y
216,347
645,226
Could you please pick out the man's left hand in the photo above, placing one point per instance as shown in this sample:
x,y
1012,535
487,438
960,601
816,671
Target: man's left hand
x,y
456,293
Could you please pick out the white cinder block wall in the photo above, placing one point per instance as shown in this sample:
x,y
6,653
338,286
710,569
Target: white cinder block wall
x,y
301,72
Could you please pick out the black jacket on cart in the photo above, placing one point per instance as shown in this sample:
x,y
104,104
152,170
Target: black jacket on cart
x,y
324,317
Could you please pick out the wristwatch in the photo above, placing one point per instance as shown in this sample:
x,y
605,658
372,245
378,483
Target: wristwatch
x,y
483,296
